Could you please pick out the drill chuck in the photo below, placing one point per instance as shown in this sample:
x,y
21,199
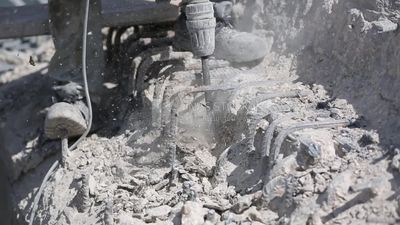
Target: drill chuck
x,y
201,25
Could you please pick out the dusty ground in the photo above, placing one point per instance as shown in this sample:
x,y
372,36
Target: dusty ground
x,y
241,161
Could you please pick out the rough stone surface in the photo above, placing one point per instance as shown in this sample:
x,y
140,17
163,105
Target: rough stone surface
x,y
343,54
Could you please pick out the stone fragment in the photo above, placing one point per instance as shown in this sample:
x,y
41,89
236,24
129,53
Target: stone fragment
x,y
369,138
109,213
256,223
320,183
383,25
151,195
250,216
221,205
161,213
314,219
92,186
275,188
125,219
161,185
309,153
336,165
340,103
339,187
344,145
244,202
396,160
285,166
307,183
253,214
138,204
188,192
82,200
212,217
193,213
206,185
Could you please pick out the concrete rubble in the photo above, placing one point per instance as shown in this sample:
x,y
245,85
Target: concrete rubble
x,y
254,157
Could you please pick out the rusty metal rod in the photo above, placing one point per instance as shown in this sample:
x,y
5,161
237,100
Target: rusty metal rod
x,y
252,130
269,135
301,126
206,79
262,98
171,131
163,55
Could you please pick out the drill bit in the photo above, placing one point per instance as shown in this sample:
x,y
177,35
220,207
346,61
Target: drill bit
x,y
206,79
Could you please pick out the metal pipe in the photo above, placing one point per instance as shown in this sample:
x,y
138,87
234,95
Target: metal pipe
x,y
269,135
301,126
252,130
206,79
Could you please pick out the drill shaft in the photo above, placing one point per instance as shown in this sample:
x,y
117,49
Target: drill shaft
x,y
206,78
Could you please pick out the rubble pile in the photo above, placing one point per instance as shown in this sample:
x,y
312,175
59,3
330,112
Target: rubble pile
x,y
311,175
307,136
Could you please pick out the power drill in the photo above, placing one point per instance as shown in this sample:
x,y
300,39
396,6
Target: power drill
x,y
201,25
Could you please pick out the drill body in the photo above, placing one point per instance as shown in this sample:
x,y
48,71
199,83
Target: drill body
x,y
201,23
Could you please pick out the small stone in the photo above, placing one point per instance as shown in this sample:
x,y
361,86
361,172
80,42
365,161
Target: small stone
x,y
207,187
249,172
383,25
230,192
396,161
212,217
210,204
188,192
151,195
336,165
253,215
309,153
70,213
161,185
193,213
320,183
344,145
138,204
340,103
307,183
229,218
339,187
110,85
136,182
126,219
314,219
92,186
161,213
369,138
285,166
274,188
244,202
256,223
336,113
156,177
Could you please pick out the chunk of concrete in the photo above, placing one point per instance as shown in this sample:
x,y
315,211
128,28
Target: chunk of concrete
x,y
193,213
